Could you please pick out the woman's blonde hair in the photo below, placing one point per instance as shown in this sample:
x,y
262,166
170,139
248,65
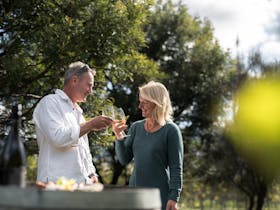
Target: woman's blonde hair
x,y
157,93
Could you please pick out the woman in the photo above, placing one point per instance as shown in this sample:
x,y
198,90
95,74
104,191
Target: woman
x,y
155,143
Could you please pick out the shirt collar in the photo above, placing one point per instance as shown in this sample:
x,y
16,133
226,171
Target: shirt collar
x,y
65,97
62,94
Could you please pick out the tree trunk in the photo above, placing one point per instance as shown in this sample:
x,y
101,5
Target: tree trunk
x,y
118,168
100,179
261,196
201,201
251,203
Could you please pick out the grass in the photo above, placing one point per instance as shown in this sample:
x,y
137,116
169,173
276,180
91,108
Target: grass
x,y
227,205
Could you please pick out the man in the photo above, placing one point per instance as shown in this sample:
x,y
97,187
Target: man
x,y
62,130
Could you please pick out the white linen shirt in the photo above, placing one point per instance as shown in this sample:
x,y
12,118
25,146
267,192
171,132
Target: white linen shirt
x,y
61,152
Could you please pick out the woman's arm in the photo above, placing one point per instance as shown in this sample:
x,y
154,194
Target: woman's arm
x,y
123,147
175,162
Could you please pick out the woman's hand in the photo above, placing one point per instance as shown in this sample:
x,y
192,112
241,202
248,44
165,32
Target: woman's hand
x,y
118,126
171,205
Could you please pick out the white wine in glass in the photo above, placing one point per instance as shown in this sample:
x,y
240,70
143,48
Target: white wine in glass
x,y
108,110
120,115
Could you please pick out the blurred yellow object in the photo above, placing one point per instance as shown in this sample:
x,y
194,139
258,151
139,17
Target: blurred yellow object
x,y
71,185
256,126
66,184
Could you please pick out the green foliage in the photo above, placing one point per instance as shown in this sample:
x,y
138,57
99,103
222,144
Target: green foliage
x,y
197,68
202,79
198,74
39,38
129,43
31,168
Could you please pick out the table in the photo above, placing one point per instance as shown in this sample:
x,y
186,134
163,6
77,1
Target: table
x,y
119,198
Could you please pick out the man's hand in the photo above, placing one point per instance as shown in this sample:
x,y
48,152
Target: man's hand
x,y
171,205
94,179
95,124
100,122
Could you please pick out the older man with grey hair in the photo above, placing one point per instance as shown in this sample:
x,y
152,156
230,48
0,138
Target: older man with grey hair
x,y
61,129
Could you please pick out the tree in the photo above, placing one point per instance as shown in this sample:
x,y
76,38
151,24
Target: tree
x,y
198,69
261,177
202,80
39,38
192,65
226,161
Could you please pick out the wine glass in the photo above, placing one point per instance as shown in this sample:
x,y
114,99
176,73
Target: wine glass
x,y
108,110
120,115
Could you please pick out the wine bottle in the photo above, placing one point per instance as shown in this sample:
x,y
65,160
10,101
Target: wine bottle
x,y
13,158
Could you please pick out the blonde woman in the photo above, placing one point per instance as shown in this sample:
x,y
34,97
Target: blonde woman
x,y
155,143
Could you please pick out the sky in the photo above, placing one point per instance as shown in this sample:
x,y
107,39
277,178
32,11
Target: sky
x,y
254,22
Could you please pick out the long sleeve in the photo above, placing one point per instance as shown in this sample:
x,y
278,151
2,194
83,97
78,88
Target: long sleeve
x,y
175,162
61,130
61,151
157,156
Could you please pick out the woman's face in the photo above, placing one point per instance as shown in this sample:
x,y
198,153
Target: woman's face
x,y
146,107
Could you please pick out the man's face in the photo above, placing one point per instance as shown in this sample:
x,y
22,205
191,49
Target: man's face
x,y
83,87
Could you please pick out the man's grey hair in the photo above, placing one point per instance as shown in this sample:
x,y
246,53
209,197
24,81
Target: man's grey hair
x,y
77,68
